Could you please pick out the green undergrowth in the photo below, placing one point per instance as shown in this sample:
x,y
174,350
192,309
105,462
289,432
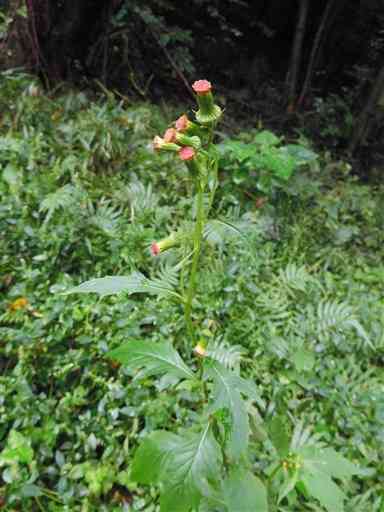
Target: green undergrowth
x,y
296,299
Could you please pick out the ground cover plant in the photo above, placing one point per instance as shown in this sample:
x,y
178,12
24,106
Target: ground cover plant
x,y
288,306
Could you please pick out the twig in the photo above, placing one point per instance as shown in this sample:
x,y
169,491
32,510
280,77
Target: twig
x,y
173,64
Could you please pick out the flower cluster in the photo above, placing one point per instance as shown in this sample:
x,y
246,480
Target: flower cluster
x,y
186,138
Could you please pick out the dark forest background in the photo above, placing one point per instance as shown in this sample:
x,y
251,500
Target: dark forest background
x,y
313,65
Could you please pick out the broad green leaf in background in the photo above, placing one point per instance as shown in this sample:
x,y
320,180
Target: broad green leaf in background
x,y
152,358
242,491
279,163
301,154
13,177
238,150
17,450
266,138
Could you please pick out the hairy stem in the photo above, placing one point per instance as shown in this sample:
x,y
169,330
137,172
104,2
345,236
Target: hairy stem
x,y
197,239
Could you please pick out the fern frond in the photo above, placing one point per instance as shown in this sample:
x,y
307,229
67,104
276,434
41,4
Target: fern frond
x,y
274,305
294,277
169,274
160,286
65,197
228,355
217,231
333,316
302,436
279,347
105,216
140,198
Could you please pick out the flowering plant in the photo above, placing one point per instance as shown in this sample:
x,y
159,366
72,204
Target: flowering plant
x,y
208,466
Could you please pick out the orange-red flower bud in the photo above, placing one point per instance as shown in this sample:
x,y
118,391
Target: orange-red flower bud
x,y
155,249
166,243
182,123
187,153
170,135
202,87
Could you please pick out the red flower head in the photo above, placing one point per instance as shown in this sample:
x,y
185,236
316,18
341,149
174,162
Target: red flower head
x,y
170,135
202,87
155,249
187,153
182,123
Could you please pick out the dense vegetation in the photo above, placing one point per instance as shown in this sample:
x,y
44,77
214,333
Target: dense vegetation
x,y
270,59
292,295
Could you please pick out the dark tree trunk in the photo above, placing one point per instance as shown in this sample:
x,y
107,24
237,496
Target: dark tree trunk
x,y
15,48
324,26
56,35
297,53
366,118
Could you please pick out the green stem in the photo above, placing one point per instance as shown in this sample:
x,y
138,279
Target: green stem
x,y
274,473
214,187
197,239
51,495
39,504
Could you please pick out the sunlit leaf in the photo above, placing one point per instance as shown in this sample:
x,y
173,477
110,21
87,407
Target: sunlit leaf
x,y
152,358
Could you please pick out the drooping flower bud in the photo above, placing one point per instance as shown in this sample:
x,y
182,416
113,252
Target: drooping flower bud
x,y
162,144
186,140
155,249
166,243
170,135
184,125
187,153
208,112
